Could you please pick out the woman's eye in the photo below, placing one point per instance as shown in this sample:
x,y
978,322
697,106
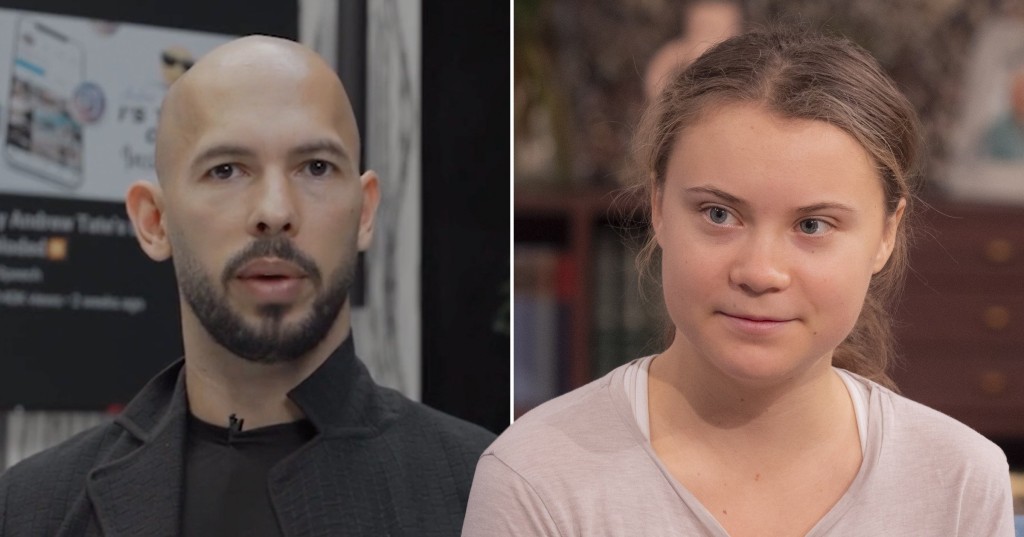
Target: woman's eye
x,y
813,226
223,171
717,215
318,168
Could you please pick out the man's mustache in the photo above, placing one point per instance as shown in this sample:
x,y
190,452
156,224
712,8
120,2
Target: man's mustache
x,y
279,247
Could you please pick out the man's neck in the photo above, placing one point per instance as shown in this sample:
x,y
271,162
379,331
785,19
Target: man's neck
x,y
219,383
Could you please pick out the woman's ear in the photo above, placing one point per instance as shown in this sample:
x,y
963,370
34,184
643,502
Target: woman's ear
x,y
656,214
145,205
892,225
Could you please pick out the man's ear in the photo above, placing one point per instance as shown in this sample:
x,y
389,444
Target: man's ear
x,y
145,205
371,198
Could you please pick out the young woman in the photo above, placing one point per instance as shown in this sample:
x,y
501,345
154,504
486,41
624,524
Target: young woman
x,y
780,168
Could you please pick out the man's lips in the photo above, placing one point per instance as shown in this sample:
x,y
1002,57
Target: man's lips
x,y
272,280
271,268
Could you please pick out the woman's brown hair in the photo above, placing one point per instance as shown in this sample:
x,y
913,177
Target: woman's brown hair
x,y
802,75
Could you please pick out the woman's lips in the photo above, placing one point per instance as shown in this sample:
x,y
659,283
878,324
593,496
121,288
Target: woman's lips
x,y
754,324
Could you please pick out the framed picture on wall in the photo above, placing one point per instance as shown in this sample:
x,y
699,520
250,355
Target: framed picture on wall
x,y
988,142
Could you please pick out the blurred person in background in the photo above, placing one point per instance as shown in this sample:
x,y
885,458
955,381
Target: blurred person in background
x,y
705,23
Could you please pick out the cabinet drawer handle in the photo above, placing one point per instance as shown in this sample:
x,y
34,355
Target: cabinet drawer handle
x,y
992,383
998,251
996,317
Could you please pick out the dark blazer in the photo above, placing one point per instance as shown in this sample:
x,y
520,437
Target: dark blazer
x,y
379,464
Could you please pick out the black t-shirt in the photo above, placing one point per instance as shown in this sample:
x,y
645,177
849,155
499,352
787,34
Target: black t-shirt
x,y
226,491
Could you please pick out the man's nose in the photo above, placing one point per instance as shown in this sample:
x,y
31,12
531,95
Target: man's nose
x,y
275,209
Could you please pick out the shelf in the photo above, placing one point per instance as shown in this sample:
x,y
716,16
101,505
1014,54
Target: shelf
x,y
569,218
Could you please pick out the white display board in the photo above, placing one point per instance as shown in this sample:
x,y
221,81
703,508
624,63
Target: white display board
x,y
80,100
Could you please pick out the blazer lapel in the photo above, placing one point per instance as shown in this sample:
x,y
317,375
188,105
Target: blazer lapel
x,y
140,493
137,490
338,483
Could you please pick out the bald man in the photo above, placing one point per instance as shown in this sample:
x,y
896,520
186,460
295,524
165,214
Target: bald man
x,y
270,424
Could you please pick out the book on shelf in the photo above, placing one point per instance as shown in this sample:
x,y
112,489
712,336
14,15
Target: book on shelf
x,y
622,322
607,349
625,323
543,288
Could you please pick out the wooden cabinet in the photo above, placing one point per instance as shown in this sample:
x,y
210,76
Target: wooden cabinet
x,y
960,323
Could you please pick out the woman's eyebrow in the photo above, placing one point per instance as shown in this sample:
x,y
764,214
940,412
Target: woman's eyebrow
x,y
725,196
824,206
807,209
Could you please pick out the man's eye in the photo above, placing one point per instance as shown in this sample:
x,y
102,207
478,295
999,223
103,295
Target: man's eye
x,y
318,167
223,171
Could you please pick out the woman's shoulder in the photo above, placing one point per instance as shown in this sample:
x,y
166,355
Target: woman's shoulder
x,y
915,430
577,424
929,472
556,469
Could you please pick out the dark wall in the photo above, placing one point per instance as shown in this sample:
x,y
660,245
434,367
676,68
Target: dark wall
x,y
271,17
466,178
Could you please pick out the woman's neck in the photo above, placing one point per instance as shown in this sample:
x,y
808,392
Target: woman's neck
x,y
692,401
771,457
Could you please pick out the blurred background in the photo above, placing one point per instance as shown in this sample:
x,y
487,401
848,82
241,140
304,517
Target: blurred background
x,y
583,70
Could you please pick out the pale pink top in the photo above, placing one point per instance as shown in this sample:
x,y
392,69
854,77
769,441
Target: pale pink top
x,y
580,465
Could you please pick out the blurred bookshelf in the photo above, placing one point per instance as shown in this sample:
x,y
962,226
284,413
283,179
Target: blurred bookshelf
x,y
579,308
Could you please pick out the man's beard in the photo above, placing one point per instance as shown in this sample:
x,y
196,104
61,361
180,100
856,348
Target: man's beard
x,y
271,341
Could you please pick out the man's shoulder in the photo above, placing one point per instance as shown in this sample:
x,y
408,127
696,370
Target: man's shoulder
x,y
79,452
53,478
430,456
417,422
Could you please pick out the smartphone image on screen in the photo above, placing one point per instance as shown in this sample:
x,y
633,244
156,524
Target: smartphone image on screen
x,y
43,137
